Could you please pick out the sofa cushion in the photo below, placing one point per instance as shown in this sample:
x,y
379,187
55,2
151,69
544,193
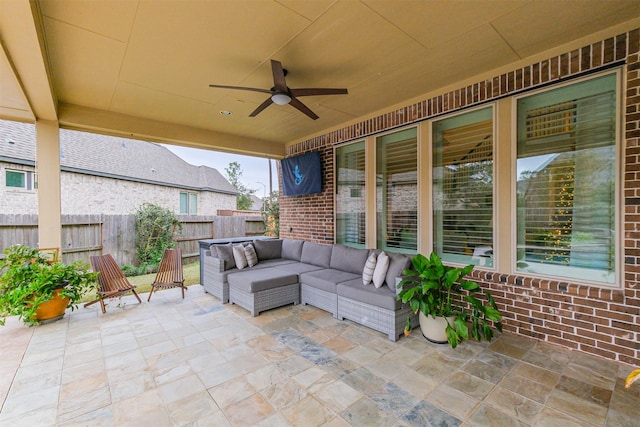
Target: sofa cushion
x,y
250,255
260,280
316,254
239,257
349,259
379,297
327,279
397,264
297,267
276,262
380,272
225,253
369,268
292,249
268,249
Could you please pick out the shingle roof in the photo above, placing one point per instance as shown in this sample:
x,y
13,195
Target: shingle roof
x,y
115,157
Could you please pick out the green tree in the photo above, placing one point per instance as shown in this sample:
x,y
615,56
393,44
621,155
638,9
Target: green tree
x,y
155,228
271,214
234,172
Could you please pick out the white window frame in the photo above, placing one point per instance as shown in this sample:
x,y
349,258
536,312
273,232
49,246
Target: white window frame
x,y
189,211
30,183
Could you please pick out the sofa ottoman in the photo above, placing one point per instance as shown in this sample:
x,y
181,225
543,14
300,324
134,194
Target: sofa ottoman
x,y
263,289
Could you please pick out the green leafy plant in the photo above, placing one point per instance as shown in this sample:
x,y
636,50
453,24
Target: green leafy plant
x,y
155,228
30,278
271,214
436,289
234,173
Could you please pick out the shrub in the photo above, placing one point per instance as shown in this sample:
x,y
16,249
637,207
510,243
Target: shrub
x,y
155,227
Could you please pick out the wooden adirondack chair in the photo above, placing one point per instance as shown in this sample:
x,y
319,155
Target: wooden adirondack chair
x,y
169,273
111,281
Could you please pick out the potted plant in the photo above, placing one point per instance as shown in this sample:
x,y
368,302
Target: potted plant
x,y
37,288
441,296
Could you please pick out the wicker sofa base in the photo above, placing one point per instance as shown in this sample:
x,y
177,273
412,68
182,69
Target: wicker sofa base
x,y
327,301
388,322
213,282
257,302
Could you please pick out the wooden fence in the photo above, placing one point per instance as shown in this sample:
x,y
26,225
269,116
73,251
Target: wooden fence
x,y
87,235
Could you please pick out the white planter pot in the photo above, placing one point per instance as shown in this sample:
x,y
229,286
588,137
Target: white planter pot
x,y
434,329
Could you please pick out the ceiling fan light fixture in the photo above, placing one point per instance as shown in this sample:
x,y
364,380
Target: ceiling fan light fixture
x,y
281,98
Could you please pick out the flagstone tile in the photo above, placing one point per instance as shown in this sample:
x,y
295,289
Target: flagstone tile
x,y
487,416
452,401
248,412
231,391
514,404
338,395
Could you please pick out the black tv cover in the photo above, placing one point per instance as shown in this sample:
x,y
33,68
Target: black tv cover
x,y
302,174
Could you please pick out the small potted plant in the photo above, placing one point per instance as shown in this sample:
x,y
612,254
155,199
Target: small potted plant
x,y
36,288
448,310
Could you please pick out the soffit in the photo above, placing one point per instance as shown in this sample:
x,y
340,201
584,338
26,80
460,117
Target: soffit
x,y
152,62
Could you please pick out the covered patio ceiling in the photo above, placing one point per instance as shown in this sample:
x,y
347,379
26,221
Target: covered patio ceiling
x,y
142,68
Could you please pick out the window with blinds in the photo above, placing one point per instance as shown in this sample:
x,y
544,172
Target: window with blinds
x,y
350,195
463,188
397,191
566,169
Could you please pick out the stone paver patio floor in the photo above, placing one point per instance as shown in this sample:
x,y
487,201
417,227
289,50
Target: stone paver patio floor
x,y
201,363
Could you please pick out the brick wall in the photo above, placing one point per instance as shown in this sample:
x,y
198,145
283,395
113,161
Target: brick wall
x,y
604,322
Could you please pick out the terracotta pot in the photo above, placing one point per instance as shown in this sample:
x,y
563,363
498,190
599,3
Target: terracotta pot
x,y
434,329
52,310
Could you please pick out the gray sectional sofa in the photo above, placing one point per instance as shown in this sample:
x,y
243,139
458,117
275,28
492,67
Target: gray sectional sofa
x,y
295,271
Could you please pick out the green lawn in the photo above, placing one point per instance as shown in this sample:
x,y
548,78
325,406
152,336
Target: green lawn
x,y
143,283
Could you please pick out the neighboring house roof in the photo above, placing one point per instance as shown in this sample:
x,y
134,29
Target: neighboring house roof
x,y
112,157
257,203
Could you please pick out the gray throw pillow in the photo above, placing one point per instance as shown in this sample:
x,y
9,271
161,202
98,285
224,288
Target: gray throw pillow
x,y
397,264
225,253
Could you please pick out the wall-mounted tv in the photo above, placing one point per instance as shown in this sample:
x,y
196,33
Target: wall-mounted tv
x,y
302,174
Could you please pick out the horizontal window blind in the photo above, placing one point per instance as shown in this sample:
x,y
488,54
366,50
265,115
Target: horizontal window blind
x,y
463,188
397,173
350,195
566,180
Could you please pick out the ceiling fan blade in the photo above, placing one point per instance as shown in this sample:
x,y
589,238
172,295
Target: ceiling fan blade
x,y
261,107
300,106
318,91
279,81
252,89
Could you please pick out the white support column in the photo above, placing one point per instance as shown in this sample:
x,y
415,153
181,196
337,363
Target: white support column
x,y
48,171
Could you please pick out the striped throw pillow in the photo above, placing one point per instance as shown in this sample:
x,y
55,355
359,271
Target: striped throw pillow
x,y
250,254
369,267
239,257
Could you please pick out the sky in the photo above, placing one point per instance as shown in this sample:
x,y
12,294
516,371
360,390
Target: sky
x,y
255,170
